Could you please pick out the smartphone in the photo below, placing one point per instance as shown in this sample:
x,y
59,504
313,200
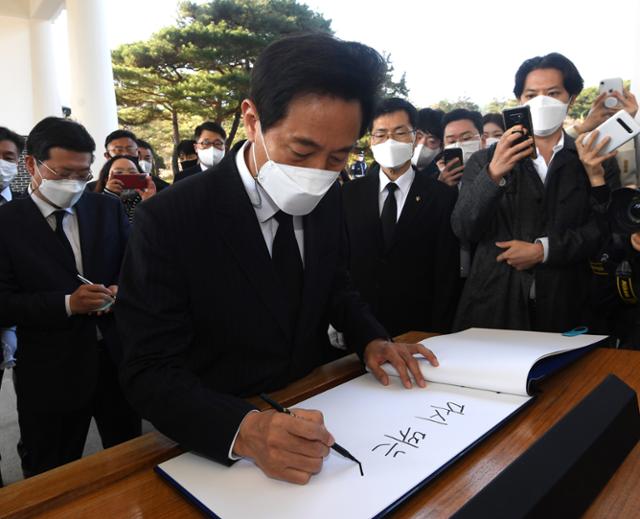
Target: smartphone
x,y
609,86
448,154
620,127
520,115
131,181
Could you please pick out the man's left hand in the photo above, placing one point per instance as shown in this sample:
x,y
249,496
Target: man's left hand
x,y
400,356
521,255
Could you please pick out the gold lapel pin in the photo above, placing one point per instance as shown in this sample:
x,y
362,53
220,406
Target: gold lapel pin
x,y
418,198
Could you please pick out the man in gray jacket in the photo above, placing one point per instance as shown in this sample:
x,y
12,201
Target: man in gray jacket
x,y
531,220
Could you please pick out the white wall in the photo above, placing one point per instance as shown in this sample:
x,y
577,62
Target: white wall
x,y
16,110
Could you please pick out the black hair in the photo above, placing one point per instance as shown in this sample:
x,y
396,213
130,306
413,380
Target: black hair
x,y
395,104
7,135
186,147
460,114
430,121
494,118
56,132
210,126
144,144
315,64
120,134
572,80
104,171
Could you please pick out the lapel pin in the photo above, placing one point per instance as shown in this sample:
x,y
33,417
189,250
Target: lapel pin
x,y
418,198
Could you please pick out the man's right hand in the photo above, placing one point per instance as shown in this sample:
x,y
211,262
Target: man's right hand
x,y
88,298
507,153
451,172
291,448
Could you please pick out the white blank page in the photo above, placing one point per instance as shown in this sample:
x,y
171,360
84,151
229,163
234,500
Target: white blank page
x,y
401,437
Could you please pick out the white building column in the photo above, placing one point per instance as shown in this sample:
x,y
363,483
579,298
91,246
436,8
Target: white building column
x,y
93,98
44,85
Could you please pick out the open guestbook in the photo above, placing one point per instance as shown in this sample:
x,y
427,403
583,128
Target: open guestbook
x,y
404,438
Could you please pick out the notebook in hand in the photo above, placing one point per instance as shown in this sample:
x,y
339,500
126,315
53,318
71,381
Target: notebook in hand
x,y
404,438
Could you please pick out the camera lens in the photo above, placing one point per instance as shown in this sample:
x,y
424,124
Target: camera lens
x,y
634,211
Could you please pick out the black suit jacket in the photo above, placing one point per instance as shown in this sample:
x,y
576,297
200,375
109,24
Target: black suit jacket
x,y
57,355
201,312
413,285
187,173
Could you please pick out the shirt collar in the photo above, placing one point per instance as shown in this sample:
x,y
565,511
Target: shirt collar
x,y
403,182
45,207
6,194
262,203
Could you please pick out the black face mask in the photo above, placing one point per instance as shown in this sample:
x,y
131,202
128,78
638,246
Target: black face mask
x,y
186,164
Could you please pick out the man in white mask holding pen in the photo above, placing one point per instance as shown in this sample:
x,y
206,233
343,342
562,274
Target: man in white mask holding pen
x,y
531,215
232,278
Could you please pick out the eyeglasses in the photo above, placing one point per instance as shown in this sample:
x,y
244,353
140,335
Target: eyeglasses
x,y
66,174
122,150
402,135
463,137
203,145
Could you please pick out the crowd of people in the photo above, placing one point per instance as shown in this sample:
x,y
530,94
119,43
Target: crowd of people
x,y
269,258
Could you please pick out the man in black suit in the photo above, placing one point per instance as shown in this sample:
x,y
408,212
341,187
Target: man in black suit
x,y
231,279
69,349
210,140
403,253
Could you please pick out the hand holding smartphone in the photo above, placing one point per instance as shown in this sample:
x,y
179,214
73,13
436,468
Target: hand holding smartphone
x,y
520,115
609,86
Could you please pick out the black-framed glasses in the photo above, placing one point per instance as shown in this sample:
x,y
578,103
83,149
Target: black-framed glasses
x,y
206,143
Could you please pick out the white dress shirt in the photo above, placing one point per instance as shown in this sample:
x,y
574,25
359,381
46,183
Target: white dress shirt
x,y
70,228
403,182
265,207
5,195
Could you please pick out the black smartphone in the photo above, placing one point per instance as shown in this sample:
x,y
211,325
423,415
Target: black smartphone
x,y
448,154
520,115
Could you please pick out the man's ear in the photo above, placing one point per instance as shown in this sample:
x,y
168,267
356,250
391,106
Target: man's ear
x,y
30,164
250,118
106,155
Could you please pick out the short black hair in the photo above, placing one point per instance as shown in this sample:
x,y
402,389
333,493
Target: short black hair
x,y
315,64
395,104
460,114
572,79
186,147
494,118
7,135
120,134
56,132
430,121
210,126
144,144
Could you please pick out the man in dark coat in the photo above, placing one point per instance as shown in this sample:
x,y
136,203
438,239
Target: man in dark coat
x,y
531,219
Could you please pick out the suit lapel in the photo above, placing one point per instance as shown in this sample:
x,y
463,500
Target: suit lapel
x,y
85,213
242,234
417,197
43,236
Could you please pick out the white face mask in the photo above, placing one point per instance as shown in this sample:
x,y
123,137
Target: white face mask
x,y
8,171
210,156
61,193
391,154
145,166
547,114
490,141
294,189
468,148
423,156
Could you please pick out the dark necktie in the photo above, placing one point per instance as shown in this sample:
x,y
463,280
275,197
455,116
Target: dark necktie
x,y
285,255
61,234
389,214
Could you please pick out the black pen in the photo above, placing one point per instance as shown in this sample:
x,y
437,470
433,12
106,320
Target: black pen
x,y
338,448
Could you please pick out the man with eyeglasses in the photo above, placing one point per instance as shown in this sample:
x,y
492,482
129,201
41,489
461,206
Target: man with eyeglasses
x,y
210,140
462,129
403,253
60,255
121,142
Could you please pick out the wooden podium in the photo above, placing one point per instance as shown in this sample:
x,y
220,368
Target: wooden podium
x,y
120,482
